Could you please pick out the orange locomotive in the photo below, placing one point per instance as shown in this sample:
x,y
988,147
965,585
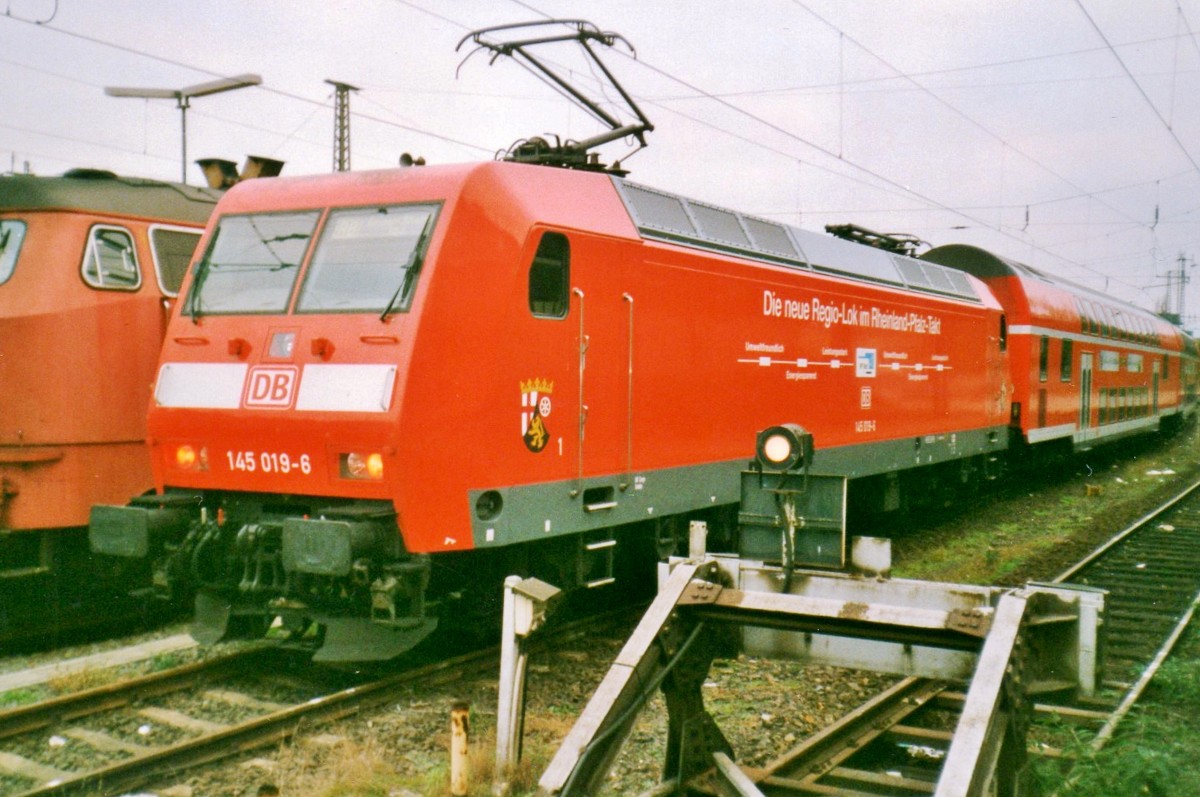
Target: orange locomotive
x,y
89,264
382,392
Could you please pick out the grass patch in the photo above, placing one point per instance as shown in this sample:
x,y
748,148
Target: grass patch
x,y
371,767
21,697
1154,751
165,661
78,681
1016,538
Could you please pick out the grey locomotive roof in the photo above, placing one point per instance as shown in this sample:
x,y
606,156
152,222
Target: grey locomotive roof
x,y
667,217
106,193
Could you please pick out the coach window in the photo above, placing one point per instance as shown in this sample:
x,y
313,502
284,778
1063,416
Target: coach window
x,y
1043,358
12,235
550,276
110,261
1067,367
172,249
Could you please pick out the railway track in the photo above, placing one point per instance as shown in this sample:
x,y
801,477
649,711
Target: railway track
x,y
145,730
173,714
895,744
119,736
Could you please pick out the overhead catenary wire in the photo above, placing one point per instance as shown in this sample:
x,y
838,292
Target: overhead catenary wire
x,y
1025,241
1138,87
1038,233
954,109
278,92
865,83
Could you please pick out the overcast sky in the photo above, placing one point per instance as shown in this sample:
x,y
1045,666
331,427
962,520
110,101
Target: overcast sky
x,y
1062,133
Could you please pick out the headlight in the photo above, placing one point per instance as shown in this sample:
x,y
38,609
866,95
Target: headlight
x,y
784,447
188,457
355,465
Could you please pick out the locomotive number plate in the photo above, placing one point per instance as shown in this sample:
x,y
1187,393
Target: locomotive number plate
x,y
268,462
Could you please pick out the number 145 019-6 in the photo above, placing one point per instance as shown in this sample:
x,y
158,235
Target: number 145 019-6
x,y
268,462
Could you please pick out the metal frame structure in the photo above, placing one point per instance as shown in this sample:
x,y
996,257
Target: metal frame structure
x,y
341,125
1010,644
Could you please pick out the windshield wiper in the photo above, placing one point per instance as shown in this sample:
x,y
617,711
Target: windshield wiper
x,y
193,308
410,270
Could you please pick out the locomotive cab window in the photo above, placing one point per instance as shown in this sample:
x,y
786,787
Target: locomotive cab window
x,y
172,248
12,235
550,276
251,264
367,259
110,261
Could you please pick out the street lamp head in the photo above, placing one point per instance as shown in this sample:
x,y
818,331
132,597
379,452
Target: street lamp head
x,y
222,84
196,90
182,97
153,94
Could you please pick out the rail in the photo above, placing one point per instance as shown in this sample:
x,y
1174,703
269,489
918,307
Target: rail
x,y
205,741
1028,654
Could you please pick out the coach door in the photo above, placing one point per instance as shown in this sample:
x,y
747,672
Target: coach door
x,y
1085,390
1154,388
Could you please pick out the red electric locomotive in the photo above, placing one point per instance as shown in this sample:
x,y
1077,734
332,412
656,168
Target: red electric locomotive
x,y
384,391
89,264
1087,368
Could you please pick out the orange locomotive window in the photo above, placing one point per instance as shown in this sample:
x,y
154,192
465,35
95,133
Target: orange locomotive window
x,y
110,261
172,248
12,235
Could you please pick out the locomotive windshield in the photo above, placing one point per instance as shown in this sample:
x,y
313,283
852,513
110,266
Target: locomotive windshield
x,y
12,235
366,259
251,264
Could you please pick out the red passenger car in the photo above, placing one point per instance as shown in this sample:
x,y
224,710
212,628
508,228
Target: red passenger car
x,y
89,265
1087,368
384,391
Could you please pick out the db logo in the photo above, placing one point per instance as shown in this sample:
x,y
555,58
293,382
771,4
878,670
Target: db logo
x,y
271,387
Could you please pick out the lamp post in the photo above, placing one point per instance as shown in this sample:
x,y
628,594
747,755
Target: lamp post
x,y
183,98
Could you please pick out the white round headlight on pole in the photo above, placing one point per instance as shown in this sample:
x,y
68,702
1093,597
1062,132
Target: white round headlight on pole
x,y
785,447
